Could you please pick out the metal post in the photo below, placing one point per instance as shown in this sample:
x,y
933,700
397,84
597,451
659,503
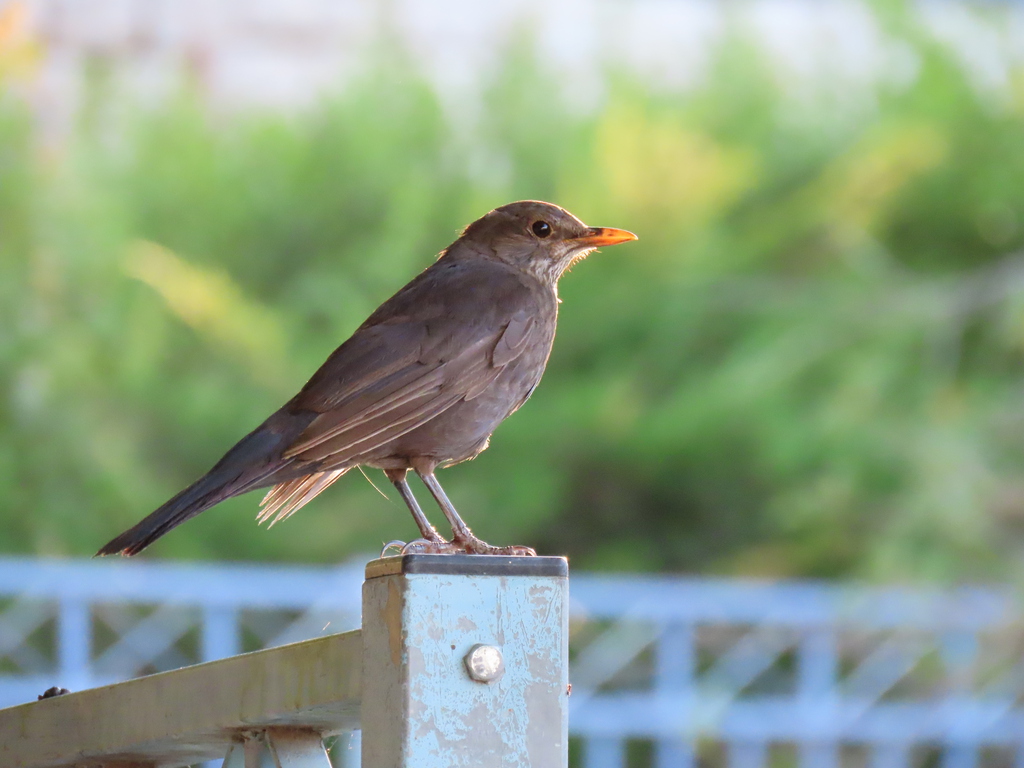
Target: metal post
x,y
296,748
348,750
817,670
749,754
74,643
465,662
604,752
674,673
220,632
890,756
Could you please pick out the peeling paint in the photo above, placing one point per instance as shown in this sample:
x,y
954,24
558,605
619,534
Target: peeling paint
x,y
392,620
449,720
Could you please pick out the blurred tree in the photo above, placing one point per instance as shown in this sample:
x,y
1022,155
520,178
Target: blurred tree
x,y
809,365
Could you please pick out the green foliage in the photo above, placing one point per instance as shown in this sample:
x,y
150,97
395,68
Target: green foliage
x,y
810,364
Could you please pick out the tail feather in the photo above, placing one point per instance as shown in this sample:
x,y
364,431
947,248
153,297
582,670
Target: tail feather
x,y
201,495
286,498
253,463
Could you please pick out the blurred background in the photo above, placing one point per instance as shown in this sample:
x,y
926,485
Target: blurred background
x,y
811,365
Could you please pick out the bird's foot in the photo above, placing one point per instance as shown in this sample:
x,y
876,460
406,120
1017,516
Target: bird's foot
x,y
396,544
471,545
417,547
425,546
457,546
475,546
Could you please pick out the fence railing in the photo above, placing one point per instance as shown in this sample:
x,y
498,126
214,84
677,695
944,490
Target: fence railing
x,y
460,660
665,671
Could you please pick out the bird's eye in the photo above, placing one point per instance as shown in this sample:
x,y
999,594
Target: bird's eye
x,y
541,228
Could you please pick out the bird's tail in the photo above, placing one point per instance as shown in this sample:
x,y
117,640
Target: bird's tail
x,y
201,495
253,463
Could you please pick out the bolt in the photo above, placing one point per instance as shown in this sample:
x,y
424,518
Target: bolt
x,y
484,663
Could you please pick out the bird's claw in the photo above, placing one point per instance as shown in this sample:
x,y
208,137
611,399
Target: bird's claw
x,y
519,550
423,546
477,547
417,547
395,544
456,546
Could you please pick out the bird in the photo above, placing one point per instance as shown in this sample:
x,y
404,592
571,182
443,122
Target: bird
x,y
420,385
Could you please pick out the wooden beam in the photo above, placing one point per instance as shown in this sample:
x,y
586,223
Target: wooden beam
x,y
192,714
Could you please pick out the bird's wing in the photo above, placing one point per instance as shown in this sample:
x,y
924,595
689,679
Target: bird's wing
x,y
418,360
513,339
384,411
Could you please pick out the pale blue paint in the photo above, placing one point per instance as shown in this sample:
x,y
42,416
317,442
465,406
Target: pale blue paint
x,y
660,616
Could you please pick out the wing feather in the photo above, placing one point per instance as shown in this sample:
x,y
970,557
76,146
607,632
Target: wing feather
x,y
409,365
348,440
358,411
513,340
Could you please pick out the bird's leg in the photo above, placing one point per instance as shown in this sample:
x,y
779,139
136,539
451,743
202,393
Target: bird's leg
x,y
427,531
463,538
460,530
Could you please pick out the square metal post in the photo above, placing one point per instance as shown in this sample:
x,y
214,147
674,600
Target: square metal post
x,y
465,662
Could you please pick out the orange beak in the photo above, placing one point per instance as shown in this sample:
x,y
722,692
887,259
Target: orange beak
x,y
595,237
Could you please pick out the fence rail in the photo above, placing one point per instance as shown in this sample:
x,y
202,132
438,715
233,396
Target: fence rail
x,y
460,660
665,671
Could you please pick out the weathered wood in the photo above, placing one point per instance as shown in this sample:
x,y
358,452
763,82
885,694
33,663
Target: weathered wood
x,y
193,714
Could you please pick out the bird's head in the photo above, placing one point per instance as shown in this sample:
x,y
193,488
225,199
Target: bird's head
x,y
535,237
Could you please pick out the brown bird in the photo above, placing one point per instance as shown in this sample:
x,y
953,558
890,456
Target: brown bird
x,y
421,384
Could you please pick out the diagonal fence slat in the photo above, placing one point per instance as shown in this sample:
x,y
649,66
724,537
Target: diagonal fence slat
x,y
148,639
891,661
19,621
744,662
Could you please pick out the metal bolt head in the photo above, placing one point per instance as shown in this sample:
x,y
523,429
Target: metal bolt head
x,y
484,663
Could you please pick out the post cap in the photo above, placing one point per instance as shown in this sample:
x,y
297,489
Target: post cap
x,y
468,565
